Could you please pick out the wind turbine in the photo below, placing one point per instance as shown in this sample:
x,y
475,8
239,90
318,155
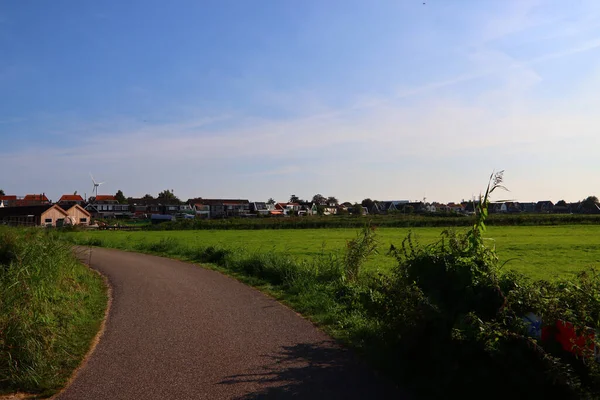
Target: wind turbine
x,y
96,184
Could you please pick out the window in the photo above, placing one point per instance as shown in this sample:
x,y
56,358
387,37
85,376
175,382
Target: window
x,y
48,220
82,220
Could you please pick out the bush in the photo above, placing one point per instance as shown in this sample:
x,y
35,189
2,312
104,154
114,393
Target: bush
x,y
450,323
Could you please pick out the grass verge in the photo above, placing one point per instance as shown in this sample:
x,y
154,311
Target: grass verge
x,y
51,307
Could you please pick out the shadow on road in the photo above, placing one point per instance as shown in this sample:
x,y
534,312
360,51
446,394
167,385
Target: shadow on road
x,y
315,371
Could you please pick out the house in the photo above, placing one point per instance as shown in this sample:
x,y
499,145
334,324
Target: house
x,y
107,206
37,215
68,200
383,207
545,206
527,207
222,208
509,207
35,199
330,210
8,201
287,208
259,208
202,210
455,207
78,215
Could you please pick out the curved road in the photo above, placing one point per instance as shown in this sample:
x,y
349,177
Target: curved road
x,y
177,331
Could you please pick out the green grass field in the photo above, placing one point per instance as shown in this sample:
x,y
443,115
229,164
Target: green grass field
x,y
541,252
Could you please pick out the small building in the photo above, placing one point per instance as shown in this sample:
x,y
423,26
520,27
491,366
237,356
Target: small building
x,y
78,215
38,215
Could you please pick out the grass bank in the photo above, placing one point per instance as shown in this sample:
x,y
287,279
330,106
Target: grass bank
x,y
51,308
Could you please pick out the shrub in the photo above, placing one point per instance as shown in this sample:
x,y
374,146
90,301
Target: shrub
x,y
449,323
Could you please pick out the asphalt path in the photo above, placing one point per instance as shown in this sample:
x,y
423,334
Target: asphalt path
x,y
179,331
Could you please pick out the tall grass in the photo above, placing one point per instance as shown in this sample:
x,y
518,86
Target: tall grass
x,y
51,307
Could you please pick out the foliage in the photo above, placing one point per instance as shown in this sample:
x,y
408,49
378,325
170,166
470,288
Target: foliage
x,y
358,251
590,203
51,307
294,199
2,192
168,196
367,203
319,199
331,200
271,201
447,308
120,197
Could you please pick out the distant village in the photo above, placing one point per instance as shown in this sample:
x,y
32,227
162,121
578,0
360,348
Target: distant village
x,y
72,209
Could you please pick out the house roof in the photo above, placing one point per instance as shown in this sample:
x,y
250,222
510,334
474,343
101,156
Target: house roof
x,y
8,198
70,197
81,209
105,197
36,211
35,197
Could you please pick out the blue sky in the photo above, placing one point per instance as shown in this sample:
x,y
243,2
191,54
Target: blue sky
x,y
386,99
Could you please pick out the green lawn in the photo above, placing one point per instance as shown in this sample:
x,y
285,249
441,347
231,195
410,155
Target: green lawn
x,y
538,251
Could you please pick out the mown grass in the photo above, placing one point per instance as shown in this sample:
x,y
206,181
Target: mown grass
x,y
541,252
51,308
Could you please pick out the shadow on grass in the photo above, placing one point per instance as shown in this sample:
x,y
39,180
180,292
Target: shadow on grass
x,y
315,371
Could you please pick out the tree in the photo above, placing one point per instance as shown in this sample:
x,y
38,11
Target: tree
x,y
148,197
367,203
2,193
319,199
590,203
561,203
168,196
294,199
120,197
271,201
332,201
